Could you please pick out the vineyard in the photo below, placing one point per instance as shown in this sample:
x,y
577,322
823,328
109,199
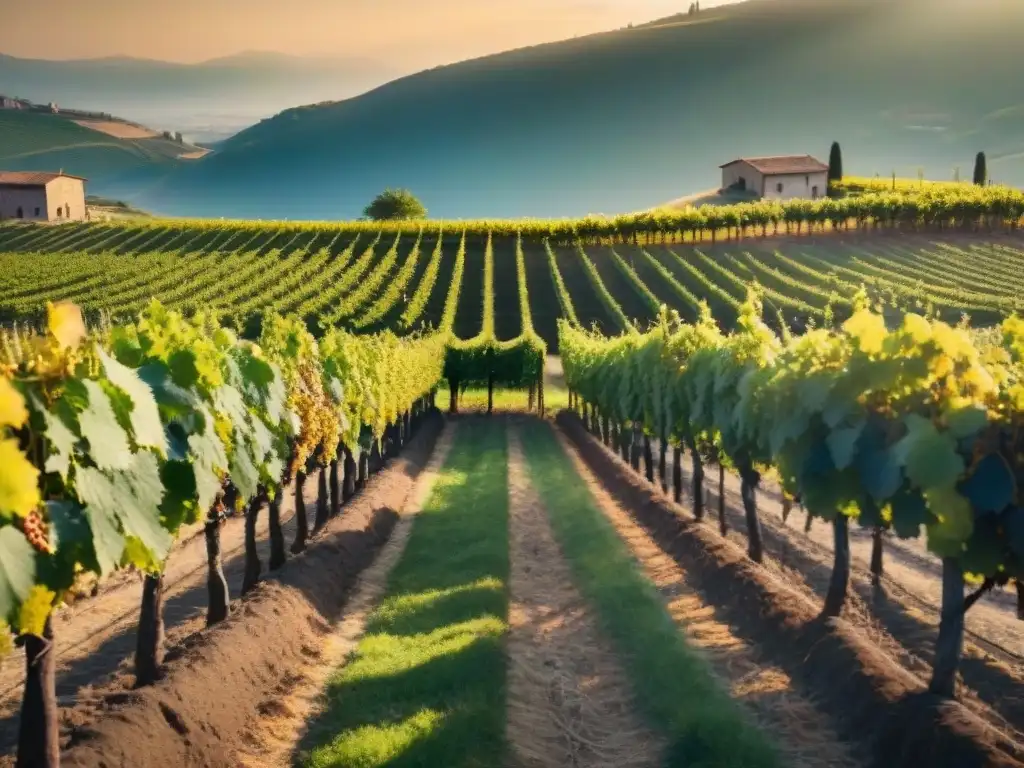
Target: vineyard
x,y
778,525
500,282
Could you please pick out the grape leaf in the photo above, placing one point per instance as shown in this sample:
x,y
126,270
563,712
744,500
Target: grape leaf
x,y
145,416
107,541
984,553
108,443
184,369
19,482
172,400
928,456
909,513
65,323
228,401
952,523
842,443
209,462
133,497
69,530
870,514
243,471
179,504
138,554
964,422
61,441
880,475
990,487
17,572
34,610
12,406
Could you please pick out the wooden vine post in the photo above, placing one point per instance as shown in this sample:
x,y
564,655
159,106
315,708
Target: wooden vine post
x,y
350,474
253,567
149,645
39,729
301,521
322,501
277,546
217,586
677,474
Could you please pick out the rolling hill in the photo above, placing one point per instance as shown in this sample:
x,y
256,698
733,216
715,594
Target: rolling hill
x,y
627,119
206,101
114,164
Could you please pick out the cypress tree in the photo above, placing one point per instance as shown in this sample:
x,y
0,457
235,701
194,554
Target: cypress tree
x,y
835,163
980,170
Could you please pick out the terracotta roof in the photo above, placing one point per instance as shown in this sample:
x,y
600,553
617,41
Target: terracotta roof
x,y
32,178
774,166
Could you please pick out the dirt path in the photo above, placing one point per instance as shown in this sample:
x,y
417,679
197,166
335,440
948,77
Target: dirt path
x,y
569,701
96,635
805,736
273,743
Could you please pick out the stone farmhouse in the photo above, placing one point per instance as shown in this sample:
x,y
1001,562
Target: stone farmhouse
x,y
39,196
777,178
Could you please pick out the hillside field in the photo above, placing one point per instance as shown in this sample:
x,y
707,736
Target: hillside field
x,y
617,586
114,156
368,279
624,120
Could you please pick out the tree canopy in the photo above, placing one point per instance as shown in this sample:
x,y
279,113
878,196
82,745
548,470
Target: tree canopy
x,y
835,163
392,204
980,170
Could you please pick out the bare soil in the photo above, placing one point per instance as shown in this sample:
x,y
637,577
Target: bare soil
x,y
217,682
871,700
805,736
118,130
903,615
569,701
272,740
96,636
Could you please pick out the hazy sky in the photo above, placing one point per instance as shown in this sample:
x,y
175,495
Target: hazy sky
x,y
405,32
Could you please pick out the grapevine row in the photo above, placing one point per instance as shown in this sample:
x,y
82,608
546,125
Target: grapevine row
x,y
113,441
910,428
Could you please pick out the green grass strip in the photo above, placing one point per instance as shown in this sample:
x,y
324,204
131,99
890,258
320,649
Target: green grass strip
x,y
671,681
426,685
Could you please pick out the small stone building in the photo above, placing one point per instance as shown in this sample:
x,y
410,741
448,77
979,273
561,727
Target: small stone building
x,y
777,178
38,196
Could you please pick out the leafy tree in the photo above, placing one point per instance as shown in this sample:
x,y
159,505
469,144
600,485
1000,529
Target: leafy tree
x,y
980,170
395,204
835,163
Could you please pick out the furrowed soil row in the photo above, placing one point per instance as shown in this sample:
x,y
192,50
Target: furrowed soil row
x,y
871,700
793,717
272,741
215,689
569,701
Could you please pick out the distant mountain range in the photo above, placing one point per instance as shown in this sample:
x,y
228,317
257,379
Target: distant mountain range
x,y
612,122
207,101
627,119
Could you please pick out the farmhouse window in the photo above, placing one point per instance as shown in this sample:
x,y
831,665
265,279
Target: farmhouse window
x,y
778,187
21,214
814,193
37,211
